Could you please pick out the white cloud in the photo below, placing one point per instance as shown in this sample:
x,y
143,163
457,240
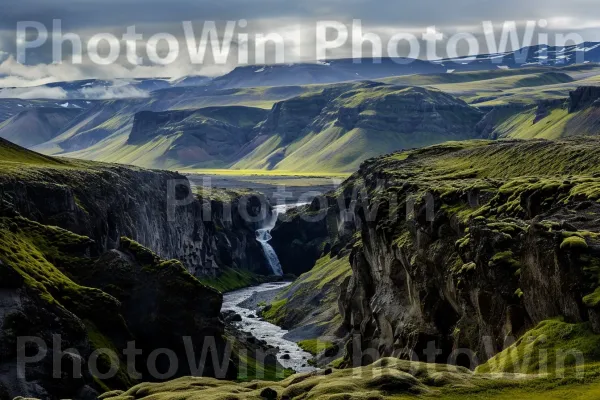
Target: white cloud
x,y
112,92
41,92
14,74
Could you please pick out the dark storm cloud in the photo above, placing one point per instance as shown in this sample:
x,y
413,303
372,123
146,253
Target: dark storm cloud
x,y
383,17
97,14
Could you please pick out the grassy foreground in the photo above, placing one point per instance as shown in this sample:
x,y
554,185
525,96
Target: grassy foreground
x,y
388,378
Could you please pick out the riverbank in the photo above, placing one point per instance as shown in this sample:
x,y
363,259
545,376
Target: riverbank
x,y
245,303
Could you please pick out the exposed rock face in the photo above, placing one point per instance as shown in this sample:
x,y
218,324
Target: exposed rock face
x,y
98,289
299,242
582,97
37,125
183,306
61,305
206,137
154,208
487,251
339,127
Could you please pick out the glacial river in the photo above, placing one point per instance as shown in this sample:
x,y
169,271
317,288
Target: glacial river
x,y
263,330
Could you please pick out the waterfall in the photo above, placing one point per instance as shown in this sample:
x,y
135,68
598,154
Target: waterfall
x,y
263,236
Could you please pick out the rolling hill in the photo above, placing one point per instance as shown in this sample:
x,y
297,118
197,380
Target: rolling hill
x,y
333,131
330,130
233,122
36,125
205,138
579,115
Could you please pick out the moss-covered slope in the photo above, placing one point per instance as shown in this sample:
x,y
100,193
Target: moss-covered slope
x,y
52,286
339,127
69,268
386,379
473,243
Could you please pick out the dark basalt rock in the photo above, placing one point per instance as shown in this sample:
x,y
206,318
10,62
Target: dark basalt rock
x,y
101,288
471,283
269,394
582,97
112,201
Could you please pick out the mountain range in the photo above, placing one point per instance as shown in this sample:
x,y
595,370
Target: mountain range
x,y
320,117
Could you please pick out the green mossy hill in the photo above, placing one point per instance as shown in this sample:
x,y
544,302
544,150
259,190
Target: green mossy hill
x,y
388,378
126,294
342,125
160,301
12,156
308,308
310,302
553,347
107,201
516,222
204,138
44,265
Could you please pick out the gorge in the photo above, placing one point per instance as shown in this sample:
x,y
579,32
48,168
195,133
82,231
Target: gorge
x,y
457,245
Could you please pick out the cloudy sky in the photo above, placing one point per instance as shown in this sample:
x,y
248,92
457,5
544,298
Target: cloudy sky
x,y
294,21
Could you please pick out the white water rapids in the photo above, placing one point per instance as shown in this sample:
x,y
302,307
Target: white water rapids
x,y
272,334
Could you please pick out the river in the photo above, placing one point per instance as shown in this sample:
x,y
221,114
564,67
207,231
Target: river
x,y
264,330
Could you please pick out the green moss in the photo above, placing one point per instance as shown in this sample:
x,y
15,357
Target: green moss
x,y
231,279
337,363
573,242
315,346
312,298
34,251
593,299
122,379
550,347
505,258
275,312
467,268
142,254
388,378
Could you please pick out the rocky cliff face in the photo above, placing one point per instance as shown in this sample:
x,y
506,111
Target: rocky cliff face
x,y
154,208
70,270
582,97
472,244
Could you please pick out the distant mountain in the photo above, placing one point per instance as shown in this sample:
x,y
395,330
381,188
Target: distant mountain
x,y
101,120
588,52
11,107
35,126
331,130
280,124
578,115
337,129
332,71
210,137
206,138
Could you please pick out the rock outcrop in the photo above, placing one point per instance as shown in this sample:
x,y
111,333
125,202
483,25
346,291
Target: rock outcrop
x,y
582,97
76,287
472,244
155,208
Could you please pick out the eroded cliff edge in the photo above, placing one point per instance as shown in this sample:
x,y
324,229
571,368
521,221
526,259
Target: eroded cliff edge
x,y
71,269
470,244
158,209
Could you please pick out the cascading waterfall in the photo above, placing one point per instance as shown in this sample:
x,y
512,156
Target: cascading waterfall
x,y
263,236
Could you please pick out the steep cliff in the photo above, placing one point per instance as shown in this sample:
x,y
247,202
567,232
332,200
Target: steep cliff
x,y
340,126
158,209
470,244
69,267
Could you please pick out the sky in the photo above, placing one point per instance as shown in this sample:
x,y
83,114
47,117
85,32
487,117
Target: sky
x,y
294,21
